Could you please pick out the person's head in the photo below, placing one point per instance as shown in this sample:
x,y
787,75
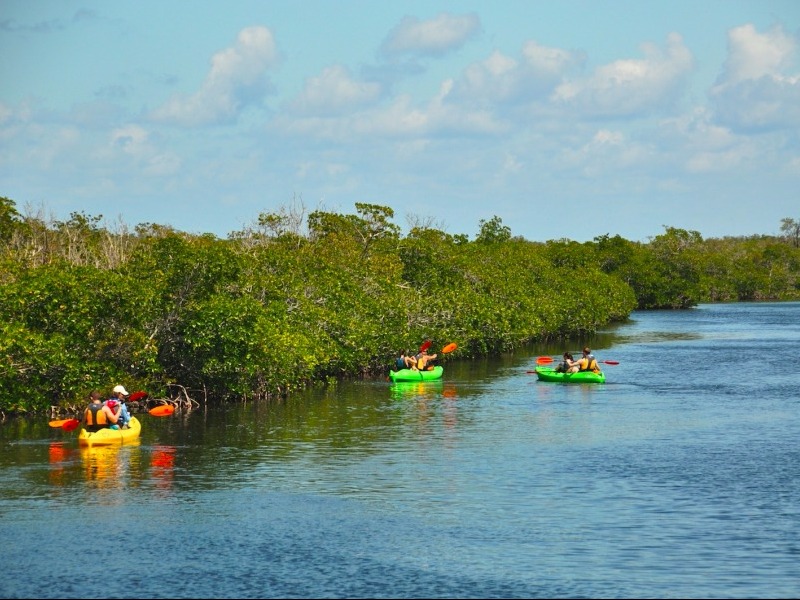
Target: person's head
x,y
587,351
120,391
95,396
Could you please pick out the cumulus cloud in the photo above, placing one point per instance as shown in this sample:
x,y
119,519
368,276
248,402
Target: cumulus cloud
x,y
631,87
334,91
434,37
402,118
134,143
131,139
236,79
532,75
759,87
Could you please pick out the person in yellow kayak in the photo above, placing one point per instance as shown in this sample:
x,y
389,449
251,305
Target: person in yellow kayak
x,y
117,404
97,415
588,362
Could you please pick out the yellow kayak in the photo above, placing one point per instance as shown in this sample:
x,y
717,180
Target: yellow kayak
x,y
107,437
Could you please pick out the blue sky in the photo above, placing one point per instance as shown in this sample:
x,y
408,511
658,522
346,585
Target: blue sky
x,y
568,119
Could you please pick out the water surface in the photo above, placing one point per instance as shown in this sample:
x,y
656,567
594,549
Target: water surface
x,y
678,478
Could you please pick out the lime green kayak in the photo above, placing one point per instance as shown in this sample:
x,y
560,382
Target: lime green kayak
x,y
414,375
550,374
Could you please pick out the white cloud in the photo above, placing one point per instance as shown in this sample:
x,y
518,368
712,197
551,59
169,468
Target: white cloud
x,y
547,62
759,87
134,142
434,37
502,79
492,80
402,118
631,87
752,55
334,91
131,139
237,77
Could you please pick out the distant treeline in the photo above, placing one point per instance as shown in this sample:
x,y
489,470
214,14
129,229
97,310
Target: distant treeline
x,y
301,298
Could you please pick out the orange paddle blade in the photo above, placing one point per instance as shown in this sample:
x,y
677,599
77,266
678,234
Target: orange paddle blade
x,y
70,425
164,410
544,360
449,348
59,423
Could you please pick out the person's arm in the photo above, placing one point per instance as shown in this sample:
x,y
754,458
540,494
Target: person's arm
x,y
112,416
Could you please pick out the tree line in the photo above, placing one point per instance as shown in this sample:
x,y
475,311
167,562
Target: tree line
x,y
296,299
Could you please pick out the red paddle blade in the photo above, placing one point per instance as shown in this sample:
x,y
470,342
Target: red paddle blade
x,y
544,360
425,346
610,362
164,410
136,396
70,425
449,348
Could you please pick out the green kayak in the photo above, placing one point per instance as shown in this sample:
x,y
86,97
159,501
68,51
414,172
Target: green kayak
x,y
550,374
414,375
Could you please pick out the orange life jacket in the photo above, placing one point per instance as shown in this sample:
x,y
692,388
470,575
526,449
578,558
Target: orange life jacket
x,y
95,417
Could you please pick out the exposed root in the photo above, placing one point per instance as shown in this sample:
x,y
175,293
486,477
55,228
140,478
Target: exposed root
x,y
181,401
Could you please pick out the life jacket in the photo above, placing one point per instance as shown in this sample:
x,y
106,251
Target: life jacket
x,y
95,417
589,364
400,363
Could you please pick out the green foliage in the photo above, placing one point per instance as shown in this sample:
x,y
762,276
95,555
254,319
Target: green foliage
x,y
68,330
493,231
10,219
271,309
791,229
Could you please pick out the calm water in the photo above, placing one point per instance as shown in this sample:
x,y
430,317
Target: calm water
x,y
680,478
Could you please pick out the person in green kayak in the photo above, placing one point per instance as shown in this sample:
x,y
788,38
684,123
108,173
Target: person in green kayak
x,y
588,362
404,361
424,360
567,364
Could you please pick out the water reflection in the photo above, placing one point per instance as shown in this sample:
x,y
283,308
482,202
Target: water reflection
x,y
431,407
59,455
421,489
416,389
162,468
110,467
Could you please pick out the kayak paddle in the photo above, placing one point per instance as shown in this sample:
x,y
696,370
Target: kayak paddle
x,y
545,360
163,410
65,424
